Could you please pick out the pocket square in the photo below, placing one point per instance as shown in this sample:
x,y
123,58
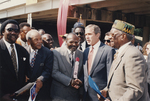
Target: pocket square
x,y
24,58
41,64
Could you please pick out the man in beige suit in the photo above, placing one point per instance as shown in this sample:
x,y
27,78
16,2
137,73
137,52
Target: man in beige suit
x,y
128,73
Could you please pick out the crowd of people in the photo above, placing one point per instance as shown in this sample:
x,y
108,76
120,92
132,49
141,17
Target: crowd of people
x,y
118,68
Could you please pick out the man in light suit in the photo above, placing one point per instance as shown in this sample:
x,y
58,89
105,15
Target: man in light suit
x,y
41,61
14,61
65,86
127,79
97,64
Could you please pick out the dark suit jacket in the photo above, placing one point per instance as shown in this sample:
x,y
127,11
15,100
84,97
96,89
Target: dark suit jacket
x,y
9,82
62,74
99,71
42,68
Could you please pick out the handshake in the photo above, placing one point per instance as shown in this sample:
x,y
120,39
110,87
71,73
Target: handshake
x,y
76,83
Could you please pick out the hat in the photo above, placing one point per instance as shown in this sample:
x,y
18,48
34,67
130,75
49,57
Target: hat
x,y
124,26
2,28
78,24
63,36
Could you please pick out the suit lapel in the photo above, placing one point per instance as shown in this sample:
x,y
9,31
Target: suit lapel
x,y
77,54
7,57
97,57
85,61
115,64
66,60
37,61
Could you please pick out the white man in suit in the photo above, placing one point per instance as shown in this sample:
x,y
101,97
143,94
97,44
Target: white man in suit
x,y
41,61
97,61
127,79
14,61
65,86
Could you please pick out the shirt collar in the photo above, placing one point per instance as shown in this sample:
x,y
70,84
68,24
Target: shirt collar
x,y
96,46
22,41
123,47
69,52
7,43
32,50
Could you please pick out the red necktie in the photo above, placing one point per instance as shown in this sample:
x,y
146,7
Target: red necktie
x,y
90,57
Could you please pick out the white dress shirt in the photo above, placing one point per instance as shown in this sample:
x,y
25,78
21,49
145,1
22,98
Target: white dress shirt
x,y
96,46
24,44
9,50
70,54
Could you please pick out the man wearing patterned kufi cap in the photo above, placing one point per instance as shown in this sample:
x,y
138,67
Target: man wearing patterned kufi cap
x,y
127,80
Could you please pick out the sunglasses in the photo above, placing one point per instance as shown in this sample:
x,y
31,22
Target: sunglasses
x,y
107,41
81,33
12,29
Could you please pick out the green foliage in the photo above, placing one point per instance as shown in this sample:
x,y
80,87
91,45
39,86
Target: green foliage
x,y
138,31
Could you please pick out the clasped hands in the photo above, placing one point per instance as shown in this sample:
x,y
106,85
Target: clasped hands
x,y
76,83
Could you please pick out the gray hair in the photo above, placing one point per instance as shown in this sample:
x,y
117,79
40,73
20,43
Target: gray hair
x,y
95,28
29,34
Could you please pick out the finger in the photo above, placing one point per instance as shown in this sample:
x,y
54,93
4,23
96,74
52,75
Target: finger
x,y
98,96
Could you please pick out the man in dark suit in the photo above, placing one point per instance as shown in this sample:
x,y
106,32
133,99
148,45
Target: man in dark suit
x,y
14,61
97,61
65,85
79,29
41,61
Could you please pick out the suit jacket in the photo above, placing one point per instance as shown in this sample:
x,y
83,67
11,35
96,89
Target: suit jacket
x,y
148,77
99,71
127,80
62,74
42,69
9,81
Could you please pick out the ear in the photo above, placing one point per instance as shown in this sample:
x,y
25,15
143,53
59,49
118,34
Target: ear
x,y
29,41
124,36
98,35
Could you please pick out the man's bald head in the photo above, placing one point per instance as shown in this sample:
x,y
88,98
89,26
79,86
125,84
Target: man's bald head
x,y
72,41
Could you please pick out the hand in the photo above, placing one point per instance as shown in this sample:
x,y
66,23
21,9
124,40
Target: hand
x,y
7,97
104,93
39,85
27,79
76,83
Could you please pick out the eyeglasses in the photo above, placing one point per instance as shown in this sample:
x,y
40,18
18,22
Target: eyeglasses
x,y
12,29
107,41
81,33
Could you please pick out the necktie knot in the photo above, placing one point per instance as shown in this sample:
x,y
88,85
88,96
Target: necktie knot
x,y
115,55
12,46
92,49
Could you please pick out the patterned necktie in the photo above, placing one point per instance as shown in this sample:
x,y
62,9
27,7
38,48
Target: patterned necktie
x,y
71,59
90,57
33,59
115,55
80,47
13,58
